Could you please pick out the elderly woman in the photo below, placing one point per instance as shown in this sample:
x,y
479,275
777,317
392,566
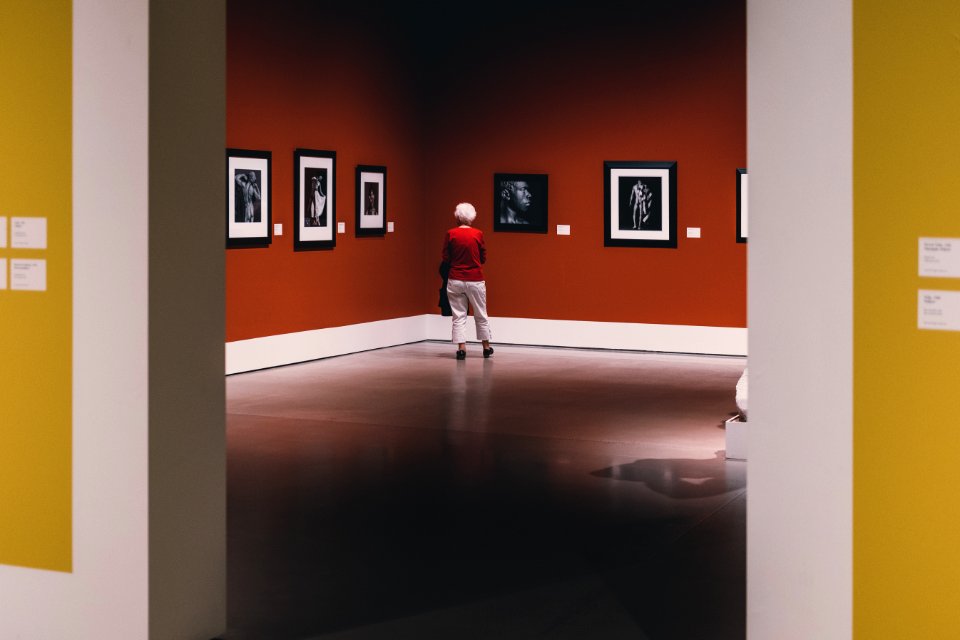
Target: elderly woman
x,y
464,251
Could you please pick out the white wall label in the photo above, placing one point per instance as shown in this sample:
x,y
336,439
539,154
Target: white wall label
x,y
3,273
389,227
28,233
28,275
939,257
278,229
341,227
693,232
938,310
563,229
3,232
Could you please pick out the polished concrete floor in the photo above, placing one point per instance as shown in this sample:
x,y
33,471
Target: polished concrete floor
x,y
543,493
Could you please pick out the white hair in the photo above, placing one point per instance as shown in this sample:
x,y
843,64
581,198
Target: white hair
x,y
465,213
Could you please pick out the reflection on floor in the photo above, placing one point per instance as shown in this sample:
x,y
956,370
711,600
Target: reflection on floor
x,y
543,493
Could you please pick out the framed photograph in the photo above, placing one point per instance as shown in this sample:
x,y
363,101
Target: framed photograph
x,y
314,195
640,204
371,200
248,198
741,205
520,202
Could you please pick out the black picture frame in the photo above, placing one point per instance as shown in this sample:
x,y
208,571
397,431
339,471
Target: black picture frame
x,y
742,208
248,182
520,202
646,217
371,194
314,198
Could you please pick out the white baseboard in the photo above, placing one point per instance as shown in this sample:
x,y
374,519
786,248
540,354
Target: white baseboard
x,y
303,346
604,335
289,348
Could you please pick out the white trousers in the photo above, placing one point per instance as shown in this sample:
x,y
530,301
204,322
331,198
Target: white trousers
x,y
460,293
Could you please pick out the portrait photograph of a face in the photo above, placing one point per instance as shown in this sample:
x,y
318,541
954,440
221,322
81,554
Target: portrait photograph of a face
x,y
520,202
640,204
313,189
248,198
371,200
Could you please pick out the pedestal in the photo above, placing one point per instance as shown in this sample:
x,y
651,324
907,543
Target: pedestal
x,y
736,437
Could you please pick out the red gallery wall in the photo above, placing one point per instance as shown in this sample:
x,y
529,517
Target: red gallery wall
x,y
447,103
560,93
318,76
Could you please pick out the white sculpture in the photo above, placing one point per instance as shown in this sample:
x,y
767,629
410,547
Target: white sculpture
x,y
742,394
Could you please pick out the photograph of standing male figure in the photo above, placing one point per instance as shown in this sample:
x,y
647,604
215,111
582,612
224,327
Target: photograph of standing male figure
x,y
248,198
640,203
247,195
371,204
640,200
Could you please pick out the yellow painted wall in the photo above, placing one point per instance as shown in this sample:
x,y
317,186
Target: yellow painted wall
x,y
906,380
36,327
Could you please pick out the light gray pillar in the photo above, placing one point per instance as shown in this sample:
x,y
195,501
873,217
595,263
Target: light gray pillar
x,y
800,282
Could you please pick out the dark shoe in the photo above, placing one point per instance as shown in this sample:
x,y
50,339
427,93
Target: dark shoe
x,y
488,352
461,354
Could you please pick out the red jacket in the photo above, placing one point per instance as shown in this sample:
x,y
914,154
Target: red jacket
x,y
464,249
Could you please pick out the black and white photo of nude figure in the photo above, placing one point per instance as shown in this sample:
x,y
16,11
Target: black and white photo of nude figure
x,y
640,202
315,201
247,197
371,206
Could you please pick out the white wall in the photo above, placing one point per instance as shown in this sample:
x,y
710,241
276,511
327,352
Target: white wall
x,y
274,351
799,520
636,336
105,597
